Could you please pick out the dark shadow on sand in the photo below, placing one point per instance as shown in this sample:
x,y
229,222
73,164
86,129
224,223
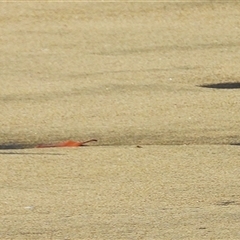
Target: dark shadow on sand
x,y
18,153
227,85
6,146
16,146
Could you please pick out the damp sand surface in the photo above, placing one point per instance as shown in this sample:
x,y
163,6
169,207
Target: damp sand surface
x,y
156,84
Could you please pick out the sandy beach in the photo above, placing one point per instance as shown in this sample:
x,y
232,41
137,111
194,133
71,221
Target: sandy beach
x,y
131,75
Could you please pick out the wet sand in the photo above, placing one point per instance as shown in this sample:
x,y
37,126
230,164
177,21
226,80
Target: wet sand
x,y
166,164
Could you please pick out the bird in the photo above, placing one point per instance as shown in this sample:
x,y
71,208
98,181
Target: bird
x,y
68,143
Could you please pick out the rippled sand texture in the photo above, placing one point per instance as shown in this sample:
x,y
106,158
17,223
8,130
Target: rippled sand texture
x,y
128,74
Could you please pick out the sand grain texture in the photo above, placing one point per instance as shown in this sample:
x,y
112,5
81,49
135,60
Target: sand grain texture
x,y
127,74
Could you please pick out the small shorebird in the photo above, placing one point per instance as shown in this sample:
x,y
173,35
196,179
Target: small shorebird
x,y
68,143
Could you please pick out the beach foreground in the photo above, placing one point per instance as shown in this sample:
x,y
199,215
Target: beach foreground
x,y
166,163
